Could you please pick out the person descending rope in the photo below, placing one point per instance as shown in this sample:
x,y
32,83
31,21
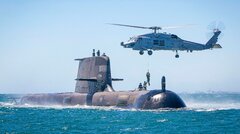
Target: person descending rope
x,y
148,78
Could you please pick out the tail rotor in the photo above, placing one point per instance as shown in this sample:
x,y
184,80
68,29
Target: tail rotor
x,y
215,27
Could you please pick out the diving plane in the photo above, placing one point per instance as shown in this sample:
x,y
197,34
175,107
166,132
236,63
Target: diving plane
x,y
162,41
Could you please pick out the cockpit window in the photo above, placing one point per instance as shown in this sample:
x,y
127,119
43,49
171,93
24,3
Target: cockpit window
x,y
132,39
174,36
155,42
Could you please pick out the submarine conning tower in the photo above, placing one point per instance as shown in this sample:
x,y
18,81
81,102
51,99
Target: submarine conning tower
x,y
94,74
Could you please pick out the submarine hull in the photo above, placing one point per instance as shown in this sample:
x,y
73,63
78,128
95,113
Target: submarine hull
x,y
64,99
153,99
94,88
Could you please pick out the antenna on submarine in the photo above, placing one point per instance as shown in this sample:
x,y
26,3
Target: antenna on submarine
x,y
163,84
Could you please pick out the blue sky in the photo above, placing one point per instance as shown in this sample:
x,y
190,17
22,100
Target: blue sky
x,y
40,39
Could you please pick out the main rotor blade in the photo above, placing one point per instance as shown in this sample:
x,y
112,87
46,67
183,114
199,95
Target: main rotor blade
x,y
179,26
155,28
129,26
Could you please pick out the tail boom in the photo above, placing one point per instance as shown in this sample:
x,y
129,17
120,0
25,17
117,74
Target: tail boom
x,y
212,42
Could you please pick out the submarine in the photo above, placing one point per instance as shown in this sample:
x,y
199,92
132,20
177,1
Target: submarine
x,y
94,88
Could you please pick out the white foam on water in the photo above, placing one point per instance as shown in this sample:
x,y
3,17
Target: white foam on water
x,y
195,101
162,120
211,106
198,107
130,129
212,101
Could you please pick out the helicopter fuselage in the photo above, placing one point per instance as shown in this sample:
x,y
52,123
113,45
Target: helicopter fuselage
x,y
163,41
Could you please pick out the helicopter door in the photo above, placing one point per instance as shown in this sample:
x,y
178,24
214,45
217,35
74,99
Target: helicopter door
x,y
159,42
143,43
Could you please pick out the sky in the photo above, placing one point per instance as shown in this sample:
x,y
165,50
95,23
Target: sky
x,y
39,40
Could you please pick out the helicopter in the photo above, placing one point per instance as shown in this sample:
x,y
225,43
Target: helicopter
x,y
163,41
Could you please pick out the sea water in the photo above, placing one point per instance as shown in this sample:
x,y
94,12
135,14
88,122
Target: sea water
x,y
205,113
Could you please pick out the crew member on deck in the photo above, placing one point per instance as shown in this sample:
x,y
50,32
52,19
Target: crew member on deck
x,y
93,54
140,87
103,54
144,85
98,53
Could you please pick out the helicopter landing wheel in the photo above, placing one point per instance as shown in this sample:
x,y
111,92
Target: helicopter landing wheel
x,y
141,52
150,52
